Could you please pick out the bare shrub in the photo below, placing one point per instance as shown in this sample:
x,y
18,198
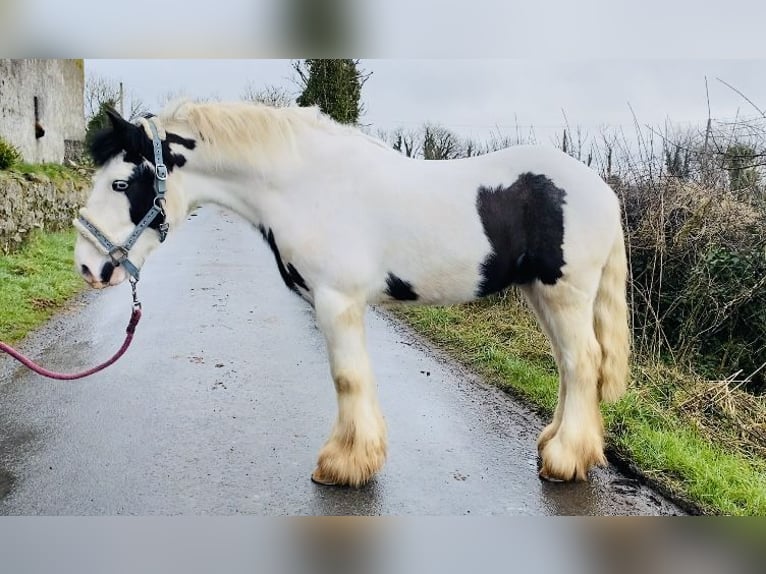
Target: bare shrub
x,y
696,250
275,96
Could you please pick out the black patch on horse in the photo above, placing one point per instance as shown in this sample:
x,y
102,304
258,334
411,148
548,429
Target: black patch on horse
x,y
140,194
106,271
289,273
400,289
296,277
123,136
524,223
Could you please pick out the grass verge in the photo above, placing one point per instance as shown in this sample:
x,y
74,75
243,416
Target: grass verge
x,y
669,426
53,171
35,282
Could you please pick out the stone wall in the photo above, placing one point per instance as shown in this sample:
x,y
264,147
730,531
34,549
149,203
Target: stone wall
x,y
56,88
29,202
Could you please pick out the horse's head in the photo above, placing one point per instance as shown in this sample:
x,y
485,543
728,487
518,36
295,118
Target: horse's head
x,y
133,204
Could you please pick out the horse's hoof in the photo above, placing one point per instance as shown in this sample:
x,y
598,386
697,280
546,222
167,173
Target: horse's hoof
x,y
567,461
316,479
547,478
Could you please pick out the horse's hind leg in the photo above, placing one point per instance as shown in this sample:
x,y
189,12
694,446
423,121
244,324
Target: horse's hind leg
x,y
534,297
573,442
356,448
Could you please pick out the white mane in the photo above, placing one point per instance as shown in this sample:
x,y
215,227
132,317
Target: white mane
x,y
245,131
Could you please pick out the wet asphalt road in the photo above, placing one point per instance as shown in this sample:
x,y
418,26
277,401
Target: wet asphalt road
x,y
224,399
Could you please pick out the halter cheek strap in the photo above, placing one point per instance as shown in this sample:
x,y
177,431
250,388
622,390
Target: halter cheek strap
x,y
119,253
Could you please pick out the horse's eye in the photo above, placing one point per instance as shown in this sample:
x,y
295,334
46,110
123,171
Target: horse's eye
x,y
120,185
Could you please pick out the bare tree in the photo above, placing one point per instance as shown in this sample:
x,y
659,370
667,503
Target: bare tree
x,y
432,141
440,143
100,90
137,108
275,96
405,142
471,148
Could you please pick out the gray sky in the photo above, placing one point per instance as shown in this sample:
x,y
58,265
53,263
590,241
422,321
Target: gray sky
x,y
387,28
479,97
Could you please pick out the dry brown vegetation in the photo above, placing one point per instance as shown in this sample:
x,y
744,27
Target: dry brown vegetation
x,y
698,259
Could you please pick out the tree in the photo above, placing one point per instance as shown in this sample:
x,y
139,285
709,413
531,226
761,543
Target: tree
x,y
677,162
333,85
440,143
574,147
97,91
275,96
740,161
100,90
471,148
98,121
404,142
432,141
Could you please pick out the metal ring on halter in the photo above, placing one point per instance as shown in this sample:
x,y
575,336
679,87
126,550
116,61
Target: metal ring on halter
x,y
118,255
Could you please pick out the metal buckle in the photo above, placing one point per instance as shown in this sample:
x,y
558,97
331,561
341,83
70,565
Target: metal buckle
x,y
136,302
163,229
161,172
118,255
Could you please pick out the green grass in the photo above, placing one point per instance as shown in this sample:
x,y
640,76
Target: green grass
x,y
649,427
53,171
35,282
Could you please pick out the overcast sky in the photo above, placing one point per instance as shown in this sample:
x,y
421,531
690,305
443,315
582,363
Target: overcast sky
x,y
478,97
386,28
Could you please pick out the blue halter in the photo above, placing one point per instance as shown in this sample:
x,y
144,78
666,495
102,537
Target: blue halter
x,y
119,253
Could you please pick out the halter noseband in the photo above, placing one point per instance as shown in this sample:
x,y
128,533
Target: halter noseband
x,y
119,253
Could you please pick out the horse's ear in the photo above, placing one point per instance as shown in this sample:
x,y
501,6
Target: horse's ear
x,y
123,136
131,136
117,121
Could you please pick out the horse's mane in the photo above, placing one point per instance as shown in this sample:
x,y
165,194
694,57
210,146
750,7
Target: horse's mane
x,y
245,131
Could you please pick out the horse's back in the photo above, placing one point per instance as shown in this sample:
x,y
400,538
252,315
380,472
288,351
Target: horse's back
x,y
449,231
454,230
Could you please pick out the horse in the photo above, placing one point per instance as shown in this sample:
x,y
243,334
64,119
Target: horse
x,y
352,222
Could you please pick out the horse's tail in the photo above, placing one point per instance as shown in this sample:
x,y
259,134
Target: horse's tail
x,y
610,321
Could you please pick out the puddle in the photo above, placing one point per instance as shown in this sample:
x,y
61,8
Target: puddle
x,y
6,483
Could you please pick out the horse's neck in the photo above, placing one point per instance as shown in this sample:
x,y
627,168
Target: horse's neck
x,y
249,189
317,159
236,192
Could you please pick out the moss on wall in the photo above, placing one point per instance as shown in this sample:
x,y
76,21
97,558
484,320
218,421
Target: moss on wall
x,y
31,201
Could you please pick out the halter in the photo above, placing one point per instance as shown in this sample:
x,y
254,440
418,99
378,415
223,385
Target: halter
x,y
119,253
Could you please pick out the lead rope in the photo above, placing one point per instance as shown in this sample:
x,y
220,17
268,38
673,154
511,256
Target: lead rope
x,y
135,317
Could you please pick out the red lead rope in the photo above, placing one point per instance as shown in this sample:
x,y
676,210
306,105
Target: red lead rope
x,y
135,317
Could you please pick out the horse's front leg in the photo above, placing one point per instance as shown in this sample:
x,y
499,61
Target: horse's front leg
x,y
356,449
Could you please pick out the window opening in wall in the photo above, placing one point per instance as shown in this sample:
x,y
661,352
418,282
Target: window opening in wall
x,y
39,130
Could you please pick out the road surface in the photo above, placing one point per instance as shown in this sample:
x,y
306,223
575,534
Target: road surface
x,y
224,399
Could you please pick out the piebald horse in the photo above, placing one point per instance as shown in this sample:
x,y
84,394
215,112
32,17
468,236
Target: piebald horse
x,y
352,222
